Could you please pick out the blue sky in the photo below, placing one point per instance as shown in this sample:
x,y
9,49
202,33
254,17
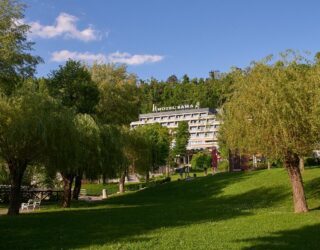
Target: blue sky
x,y
157,38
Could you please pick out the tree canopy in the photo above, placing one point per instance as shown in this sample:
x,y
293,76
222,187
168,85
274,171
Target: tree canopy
x,y
16,61
273,110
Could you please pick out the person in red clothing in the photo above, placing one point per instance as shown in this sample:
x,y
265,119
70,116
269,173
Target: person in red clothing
x,y
214,160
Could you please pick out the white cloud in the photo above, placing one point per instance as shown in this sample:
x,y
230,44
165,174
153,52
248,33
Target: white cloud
x,y
65,26
64,55
116,57
129,59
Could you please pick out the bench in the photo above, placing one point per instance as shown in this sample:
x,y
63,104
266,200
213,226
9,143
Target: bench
x,y
34,204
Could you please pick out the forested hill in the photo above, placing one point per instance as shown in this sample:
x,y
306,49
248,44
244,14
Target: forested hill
x,y
123,96
209,92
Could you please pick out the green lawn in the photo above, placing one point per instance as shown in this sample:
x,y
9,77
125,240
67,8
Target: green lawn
x,y
112,188
227,211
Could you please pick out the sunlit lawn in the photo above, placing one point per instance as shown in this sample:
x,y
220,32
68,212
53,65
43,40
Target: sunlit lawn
x,y
227,211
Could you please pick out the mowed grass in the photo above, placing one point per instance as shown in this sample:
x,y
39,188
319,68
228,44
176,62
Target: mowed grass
x,y
227,211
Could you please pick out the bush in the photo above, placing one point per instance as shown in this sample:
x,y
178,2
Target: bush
x,y
161,181
223,166
310,161
201,160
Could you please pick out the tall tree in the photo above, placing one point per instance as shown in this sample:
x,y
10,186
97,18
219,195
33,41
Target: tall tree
x,y
272,111
119,96
72,84
16,61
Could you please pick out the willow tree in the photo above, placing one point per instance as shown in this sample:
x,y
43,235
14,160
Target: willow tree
x,y
138,150
88,155
113,160
272,112
32,126
158,139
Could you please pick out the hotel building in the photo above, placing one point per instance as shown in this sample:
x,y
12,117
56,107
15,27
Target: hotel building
x,y
203,123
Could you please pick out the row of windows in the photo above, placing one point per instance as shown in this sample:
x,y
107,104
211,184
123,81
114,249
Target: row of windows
x,y
198,142
195,135
174,117
201,128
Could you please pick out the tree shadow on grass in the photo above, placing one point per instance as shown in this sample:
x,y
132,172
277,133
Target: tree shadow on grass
x,y
301,238
126,217
312,188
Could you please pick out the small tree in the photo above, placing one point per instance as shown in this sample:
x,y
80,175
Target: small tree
x,y
201,160
88,156
158,140
272,111
181,139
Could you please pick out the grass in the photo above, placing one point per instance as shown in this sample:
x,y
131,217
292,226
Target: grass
x,y
112,188
227,211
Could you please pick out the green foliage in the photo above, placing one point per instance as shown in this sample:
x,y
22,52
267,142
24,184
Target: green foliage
x,y
119,99
274,109
72,84
201,160
4,174
88,155
223,166
30,125
138,149
158,140
16,61
210,92
112,156
181,139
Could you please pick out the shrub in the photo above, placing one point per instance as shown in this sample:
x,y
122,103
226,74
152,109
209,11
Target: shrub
x,y
223,166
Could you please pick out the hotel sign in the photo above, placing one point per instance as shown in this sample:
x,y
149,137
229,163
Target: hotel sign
x,y
179,107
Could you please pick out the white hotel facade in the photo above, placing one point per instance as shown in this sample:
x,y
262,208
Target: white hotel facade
x,y
203,123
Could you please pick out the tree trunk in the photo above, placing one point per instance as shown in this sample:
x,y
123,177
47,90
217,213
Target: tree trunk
x,y
104,179
269,165
167,171
121,182
67,188
301,164
292,166
77,187
16,173
147,176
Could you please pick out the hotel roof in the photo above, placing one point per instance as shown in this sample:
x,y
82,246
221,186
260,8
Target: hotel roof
x,y
180,111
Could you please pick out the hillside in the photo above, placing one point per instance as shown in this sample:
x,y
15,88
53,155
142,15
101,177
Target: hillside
x,y
227,211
